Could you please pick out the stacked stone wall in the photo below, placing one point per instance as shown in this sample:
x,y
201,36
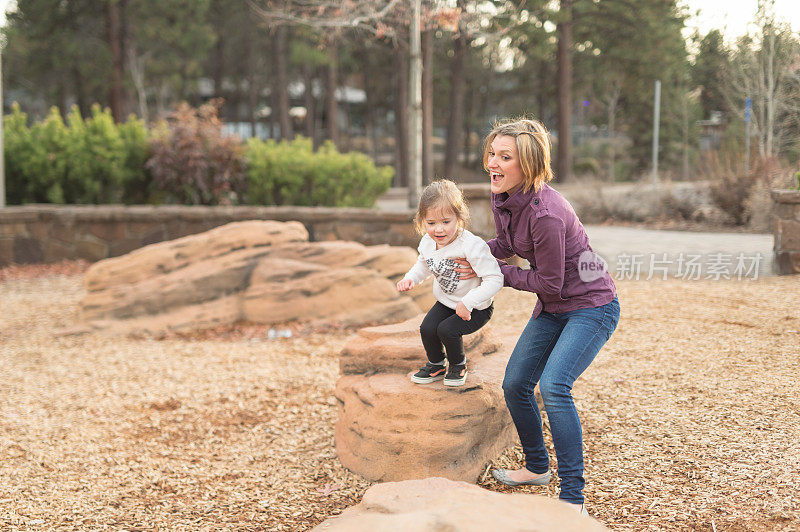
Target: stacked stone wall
x,y
50,233
786,227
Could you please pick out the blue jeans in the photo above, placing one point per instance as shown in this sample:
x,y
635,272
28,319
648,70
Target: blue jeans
x,y
553,350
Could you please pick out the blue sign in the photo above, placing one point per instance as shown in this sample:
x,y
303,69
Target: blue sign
x,y
748,105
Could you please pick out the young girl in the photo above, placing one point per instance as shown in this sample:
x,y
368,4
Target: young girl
x,y
463,306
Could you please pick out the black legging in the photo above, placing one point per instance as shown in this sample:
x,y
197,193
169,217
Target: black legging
x,y
443,328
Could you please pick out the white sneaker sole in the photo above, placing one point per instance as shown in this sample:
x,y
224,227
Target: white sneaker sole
x,y
456,382
426,380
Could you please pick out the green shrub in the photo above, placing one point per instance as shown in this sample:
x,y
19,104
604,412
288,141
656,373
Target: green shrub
x,y
192,162
586,166
80,161
291,173
136,180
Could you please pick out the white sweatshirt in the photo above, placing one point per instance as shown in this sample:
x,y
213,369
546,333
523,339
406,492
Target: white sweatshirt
x,y
448,288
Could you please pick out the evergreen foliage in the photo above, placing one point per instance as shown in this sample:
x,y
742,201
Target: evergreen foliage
x,y
83,160
291,173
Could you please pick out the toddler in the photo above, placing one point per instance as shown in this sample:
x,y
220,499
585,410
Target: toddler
x,y
463,306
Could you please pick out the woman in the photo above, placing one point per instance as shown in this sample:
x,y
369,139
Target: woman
x,y
577,307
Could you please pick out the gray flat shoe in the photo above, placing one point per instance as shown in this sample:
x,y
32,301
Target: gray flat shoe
x,y
582,509
501,475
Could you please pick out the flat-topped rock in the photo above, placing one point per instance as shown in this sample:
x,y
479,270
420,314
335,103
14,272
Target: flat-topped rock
x,y
397,348
441,504
392,429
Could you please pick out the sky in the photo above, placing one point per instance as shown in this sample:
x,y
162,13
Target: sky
x,y
732,16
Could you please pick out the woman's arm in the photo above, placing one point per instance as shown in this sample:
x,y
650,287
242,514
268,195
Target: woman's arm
x,y
549,234
486,267
500,248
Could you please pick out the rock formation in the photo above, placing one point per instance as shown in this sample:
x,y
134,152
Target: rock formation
x,y
256,271
441,504
392,429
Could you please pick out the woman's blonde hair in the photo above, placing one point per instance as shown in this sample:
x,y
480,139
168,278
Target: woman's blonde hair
x,y
533,148
441,194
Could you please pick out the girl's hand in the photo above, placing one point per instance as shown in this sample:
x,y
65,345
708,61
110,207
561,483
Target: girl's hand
x,y
405,285
462,312
465,270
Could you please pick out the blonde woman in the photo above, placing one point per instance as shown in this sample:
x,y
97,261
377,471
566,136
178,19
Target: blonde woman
x,y
577,308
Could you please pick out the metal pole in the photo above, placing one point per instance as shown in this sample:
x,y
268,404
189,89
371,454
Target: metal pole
x,y
748,105
415,92
656,119
2,149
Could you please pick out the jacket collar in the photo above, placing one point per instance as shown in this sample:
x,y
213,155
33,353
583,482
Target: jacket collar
x,y
517,201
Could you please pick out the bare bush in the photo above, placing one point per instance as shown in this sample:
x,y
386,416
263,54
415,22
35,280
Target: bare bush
x,y
730,185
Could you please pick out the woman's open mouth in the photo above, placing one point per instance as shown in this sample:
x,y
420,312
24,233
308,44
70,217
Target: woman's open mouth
x,y
496,178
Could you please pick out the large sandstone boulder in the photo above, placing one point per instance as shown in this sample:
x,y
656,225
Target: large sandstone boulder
x,y
256,271
441,504
392,429
284,290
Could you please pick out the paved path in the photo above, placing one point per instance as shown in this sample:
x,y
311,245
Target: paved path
x,y
623,247
688,252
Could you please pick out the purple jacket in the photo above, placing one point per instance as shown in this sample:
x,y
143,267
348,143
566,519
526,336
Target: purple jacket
x,y
543,228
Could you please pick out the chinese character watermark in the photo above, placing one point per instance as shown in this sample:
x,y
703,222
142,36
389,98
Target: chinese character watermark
x,y
686,266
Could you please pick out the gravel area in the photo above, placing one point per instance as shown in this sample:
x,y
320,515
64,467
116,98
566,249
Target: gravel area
x,y
691,416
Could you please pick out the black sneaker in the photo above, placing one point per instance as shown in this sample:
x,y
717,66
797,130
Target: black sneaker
x,y
428,373
456,375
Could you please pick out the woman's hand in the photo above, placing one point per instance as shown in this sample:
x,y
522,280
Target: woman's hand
x,y
405,285
462,312
465,270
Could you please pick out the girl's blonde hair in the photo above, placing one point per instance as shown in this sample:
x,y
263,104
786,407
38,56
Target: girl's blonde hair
x,y
441,194
533,147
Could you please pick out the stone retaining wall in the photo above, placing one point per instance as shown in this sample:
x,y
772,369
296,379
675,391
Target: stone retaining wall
x,y
50,233
787,231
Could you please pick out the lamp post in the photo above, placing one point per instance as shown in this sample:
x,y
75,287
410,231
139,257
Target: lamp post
x,y
656,118
415,93
2,150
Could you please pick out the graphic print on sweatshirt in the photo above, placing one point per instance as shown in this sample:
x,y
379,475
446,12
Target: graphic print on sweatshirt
x,y
445,273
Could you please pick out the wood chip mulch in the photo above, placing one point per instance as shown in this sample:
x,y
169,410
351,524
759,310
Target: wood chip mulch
x,y
691,416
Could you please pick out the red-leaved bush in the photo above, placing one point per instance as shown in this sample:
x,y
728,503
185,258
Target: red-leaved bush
x,y
192,162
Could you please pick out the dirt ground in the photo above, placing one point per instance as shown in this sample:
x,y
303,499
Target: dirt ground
x,y
691,416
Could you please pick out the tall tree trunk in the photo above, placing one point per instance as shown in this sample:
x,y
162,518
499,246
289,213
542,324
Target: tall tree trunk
x,y
125,39
331,106
281,86
252,90
686,99
80,96
308,98
456,119
564,161
427,106
219,64
469,103
136,67
401,114
115,96
612,144
770,76
613,101
370,118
